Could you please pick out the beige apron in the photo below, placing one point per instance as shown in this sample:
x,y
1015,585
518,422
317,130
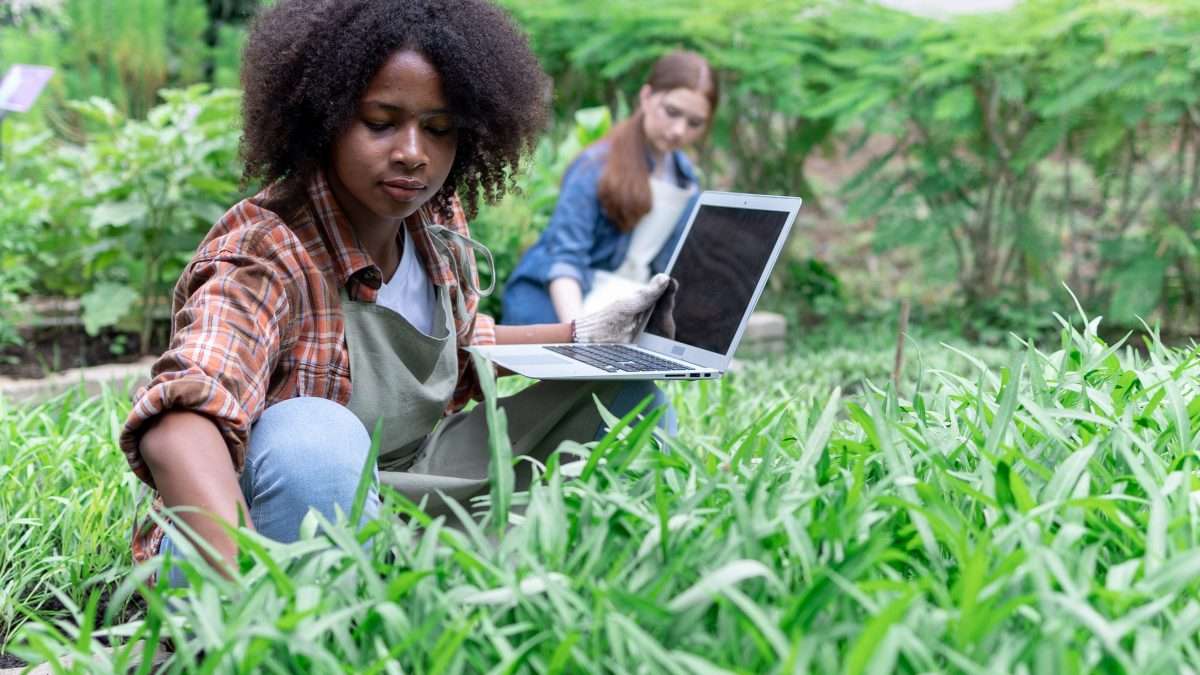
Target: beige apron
x,y
406,378
399,375
648,238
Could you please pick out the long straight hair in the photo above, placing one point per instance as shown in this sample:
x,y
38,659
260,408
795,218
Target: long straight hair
x,y
624,189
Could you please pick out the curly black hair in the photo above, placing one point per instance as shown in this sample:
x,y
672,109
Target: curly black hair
x,y
308,62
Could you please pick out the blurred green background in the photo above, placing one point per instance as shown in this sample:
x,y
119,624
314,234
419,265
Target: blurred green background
x,y
975,167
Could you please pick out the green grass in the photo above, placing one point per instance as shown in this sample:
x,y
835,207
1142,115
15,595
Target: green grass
x,y
65,502
1036,516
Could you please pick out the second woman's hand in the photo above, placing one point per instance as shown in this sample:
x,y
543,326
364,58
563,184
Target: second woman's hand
x,y
621,319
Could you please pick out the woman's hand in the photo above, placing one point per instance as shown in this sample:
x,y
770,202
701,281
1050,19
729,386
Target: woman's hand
x,y
621,319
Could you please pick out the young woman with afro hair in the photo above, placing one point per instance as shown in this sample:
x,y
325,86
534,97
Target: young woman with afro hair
x,y
342,296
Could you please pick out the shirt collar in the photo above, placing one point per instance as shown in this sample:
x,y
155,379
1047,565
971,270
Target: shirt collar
x,y
685,173
684,166
350,261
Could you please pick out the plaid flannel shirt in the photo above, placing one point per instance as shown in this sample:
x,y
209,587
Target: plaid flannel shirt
x,y
257,319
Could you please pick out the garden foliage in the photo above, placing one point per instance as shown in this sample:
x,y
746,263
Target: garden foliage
x,y
123,50
153,188
114,219
1055,142
1038,517
1011,152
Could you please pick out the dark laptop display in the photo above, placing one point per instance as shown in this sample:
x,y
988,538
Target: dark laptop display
x,y
715,274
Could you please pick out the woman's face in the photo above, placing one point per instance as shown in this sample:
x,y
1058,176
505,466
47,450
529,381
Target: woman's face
x,y
674,118
395,154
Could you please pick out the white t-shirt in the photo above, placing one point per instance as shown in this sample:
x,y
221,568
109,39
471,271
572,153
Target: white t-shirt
x,y
408,292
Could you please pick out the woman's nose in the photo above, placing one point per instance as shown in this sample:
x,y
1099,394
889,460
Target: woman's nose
x,y
408,149
678,129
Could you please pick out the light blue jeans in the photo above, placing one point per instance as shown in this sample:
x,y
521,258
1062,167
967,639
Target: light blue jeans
x,y
309,453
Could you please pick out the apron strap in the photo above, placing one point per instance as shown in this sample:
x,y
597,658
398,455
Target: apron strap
x,y
457,248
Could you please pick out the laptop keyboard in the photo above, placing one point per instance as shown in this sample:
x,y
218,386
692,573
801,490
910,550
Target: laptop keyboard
x,y
616,358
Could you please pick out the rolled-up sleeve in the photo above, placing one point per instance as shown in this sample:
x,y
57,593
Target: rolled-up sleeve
x,y
467,388
226,340
485,330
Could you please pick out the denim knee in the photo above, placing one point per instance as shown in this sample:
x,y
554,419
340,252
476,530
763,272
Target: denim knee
x,y
303,452
632,393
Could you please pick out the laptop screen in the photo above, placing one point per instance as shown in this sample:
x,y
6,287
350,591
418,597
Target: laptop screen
x,y
715,275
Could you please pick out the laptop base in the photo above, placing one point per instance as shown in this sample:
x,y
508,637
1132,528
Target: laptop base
x,y
542,362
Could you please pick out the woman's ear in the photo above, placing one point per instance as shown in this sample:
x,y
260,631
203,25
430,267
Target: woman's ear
x,y
644,95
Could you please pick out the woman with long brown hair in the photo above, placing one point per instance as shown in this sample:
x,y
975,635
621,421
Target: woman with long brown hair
x,y
623,204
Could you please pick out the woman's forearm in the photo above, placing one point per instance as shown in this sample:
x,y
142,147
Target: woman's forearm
x,y
190,462
543,333
567,297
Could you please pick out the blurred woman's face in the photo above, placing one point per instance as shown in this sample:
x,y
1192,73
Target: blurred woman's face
x,y
674,119
397,152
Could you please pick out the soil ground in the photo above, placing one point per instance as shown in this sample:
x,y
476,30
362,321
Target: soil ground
x,y
135,607
53,349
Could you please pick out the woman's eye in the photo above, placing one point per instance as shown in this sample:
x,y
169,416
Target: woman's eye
x,y
376,126
440,125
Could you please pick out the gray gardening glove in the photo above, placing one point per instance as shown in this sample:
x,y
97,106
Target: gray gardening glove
x,y
622,318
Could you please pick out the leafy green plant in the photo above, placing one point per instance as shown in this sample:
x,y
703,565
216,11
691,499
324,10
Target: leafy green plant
x,y
105,305
65,503
38,221
809,288
1031,516
225,36
14,284
1054,142
154,188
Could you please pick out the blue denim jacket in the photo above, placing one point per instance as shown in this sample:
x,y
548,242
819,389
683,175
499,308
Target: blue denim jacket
x,y
579,240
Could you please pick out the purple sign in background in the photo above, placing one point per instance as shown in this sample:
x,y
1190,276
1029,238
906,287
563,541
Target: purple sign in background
x,y
21,86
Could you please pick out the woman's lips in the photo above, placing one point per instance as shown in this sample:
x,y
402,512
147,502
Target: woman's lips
x,y
403,189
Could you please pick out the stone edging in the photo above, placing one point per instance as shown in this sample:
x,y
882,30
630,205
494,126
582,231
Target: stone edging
x,y
66,662
765,333
93,379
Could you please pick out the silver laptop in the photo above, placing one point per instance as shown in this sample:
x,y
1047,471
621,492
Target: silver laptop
x,y
718,272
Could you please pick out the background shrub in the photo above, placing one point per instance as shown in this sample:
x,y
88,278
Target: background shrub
x,y
989,158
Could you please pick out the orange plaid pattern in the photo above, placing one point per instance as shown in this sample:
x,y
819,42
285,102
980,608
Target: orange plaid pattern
x,y
257,319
